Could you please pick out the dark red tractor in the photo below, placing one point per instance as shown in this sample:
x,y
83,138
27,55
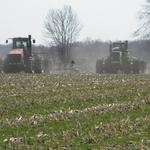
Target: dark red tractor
x,y
20,57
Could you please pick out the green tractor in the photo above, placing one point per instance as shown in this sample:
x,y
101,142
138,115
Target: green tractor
x,y
119,61
20,57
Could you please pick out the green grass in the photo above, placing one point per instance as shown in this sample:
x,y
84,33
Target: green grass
x,y
27,95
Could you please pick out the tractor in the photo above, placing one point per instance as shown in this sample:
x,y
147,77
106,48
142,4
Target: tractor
x,y
119,61
20,57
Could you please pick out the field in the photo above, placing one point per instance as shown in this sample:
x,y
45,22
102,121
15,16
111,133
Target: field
x,y
93,112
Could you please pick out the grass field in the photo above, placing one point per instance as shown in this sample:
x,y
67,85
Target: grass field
x,y
73,112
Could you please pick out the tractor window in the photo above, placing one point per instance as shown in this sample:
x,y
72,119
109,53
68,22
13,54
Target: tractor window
x,y
20,44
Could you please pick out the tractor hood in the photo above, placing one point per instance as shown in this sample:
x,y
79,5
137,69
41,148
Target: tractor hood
x,y
16,51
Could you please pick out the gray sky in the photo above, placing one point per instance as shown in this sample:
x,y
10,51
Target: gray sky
x,y
101,19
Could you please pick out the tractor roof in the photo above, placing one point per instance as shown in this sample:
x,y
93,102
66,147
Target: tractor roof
x,y
20,38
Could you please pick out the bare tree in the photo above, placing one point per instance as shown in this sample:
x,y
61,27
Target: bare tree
x,y
144,18
62,28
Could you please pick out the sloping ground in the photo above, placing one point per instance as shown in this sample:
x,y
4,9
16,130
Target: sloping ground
x,y
74,112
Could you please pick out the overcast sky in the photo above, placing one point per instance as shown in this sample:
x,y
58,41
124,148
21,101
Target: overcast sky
x,y
101,19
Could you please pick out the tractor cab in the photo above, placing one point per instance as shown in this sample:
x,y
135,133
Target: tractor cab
x,y
118,50
20,43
